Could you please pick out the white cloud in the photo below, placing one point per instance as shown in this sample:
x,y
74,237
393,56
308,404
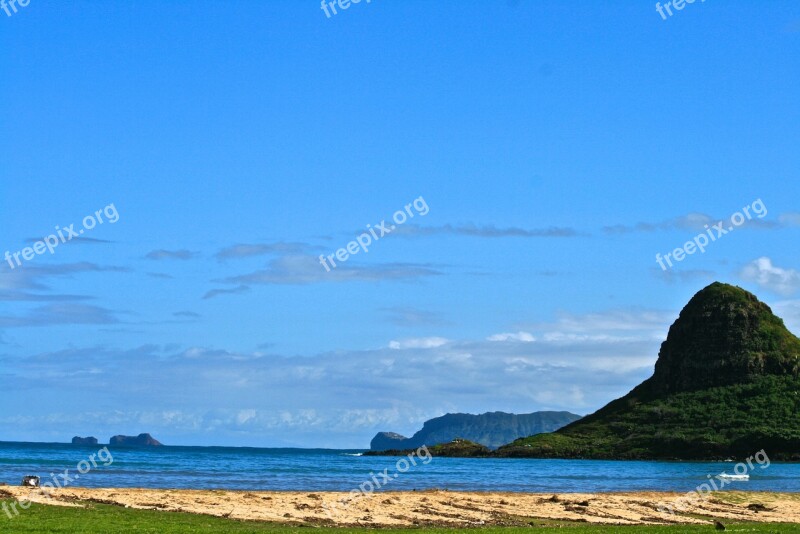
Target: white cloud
x,y
334,399
486,231
762,272
300,269
244,416
568,337
523,337
692,221
418,343
609,325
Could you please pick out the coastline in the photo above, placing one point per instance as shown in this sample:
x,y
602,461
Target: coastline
x,y
434,507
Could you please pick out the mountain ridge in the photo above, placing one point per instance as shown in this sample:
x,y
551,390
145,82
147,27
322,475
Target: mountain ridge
x,y
490,429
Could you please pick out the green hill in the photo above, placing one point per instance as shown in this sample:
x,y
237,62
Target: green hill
x,y
725,385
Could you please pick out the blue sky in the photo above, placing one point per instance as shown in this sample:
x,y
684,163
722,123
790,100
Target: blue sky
x,y
557,146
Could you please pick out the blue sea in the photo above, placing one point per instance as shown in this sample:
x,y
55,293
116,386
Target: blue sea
x,y
239,468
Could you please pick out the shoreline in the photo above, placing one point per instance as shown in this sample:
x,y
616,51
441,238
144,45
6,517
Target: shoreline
x,y
433,507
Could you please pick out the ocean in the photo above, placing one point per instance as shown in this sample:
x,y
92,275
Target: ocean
x,y
239,468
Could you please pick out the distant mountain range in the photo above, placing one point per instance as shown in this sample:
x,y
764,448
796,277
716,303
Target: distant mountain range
x,y
491,429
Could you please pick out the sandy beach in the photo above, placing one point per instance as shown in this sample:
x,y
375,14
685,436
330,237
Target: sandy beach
x,y
433,507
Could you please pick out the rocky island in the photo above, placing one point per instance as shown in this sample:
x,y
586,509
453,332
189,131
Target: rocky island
x,y
77,440
142,440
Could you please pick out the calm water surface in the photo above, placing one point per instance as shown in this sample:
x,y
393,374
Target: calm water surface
x,y
320,470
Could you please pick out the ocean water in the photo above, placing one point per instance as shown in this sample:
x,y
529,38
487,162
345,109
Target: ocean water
x,y
239,468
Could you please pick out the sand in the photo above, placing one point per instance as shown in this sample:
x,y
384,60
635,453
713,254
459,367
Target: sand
x,y
434,507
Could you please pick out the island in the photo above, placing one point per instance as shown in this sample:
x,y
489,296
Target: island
x,y
142,440
77,440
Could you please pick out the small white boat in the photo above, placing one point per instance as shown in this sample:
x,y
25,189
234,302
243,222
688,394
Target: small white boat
x,y
734,477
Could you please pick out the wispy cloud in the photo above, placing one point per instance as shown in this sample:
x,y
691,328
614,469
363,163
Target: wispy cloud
x,y
614,325
486,231
17,284
698,222
305,269
31,276
412,317
225,291
522,337
776,279
418,343
692,221
245,250
75,240
60,313
187,314
23,296
162,254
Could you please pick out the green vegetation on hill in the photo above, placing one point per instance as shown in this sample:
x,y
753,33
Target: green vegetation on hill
x,y
723,336
725,385
716,423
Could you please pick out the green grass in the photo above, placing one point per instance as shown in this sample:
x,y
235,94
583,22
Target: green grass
x,y
106,519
